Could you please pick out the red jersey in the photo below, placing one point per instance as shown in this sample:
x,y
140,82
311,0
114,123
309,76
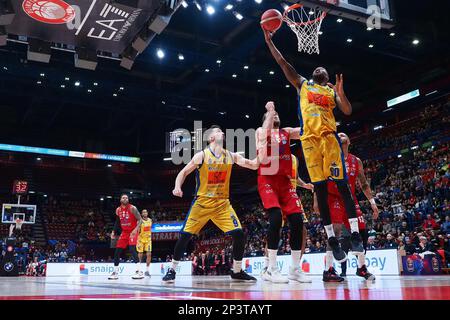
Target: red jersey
x,y
278,139
352,168
127,219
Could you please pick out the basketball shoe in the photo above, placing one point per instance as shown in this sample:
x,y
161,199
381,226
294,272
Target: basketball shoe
x,y
338,254
242,276
138,275
113,276
274,276
297,274
362,272
170,276
331,276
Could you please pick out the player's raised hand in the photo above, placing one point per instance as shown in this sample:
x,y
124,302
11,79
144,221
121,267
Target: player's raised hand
x,y
339,87
267,34
270,106
177,192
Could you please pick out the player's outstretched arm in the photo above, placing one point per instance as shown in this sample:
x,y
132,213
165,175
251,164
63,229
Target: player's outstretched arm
x,y
291,75
244,162
342,101
187,170
263,132
304,185
365,187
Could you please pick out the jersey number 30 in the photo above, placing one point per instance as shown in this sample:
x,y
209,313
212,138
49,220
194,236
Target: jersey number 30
x,y
334,172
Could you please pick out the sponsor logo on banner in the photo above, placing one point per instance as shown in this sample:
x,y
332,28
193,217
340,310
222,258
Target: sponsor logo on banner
x,y
49,11
105,269
110,24
165,236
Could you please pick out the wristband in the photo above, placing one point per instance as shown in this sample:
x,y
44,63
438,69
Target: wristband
x,y
372,201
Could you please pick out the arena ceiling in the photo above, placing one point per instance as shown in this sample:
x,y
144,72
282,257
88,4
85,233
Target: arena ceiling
x,y
116,110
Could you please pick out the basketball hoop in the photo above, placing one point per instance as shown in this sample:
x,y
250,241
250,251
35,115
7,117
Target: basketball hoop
x,y
306,24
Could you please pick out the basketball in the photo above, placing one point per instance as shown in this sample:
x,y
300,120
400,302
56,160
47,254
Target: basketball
x,y
271,20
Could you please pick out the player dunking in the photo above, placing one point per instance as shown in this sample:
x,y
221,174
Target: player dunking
x,y
277,193
355,172
320,143
128,220
144,243
213,171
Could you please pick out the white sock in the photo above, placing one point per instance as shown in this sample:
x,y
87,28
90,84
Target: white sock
x,y
266,261
353,224
272,259
296,256
361,260
237,266
329,230
328,260
148,268
138,267
175,264
116,269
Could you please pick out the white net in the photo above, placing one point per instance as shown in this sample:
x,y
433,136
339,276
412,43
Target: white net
x,y
306,24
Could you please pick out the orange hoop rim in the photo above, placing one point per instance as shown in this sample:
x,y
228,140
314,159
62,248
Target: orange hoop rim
x,y
299,5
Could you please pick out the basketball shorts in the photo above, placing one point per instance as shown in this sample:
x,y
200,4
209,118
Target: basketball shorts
x,y
144,245
219,211
324,158
126,240
277,192
338,213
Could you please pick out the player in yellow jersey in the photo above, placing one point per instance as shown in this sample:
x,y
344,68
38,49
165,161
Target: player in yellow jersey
x,y
213,170
144,243
321,146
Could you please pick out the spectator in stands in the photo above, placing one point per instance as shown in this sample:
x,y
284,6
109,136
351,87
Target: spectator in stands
x,y
430,223
371,243
390,243
410,248
446,225
424,246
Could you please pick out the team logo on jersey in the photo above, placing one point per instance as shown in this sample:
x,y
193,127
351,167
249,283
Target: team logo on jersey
x,y
49,11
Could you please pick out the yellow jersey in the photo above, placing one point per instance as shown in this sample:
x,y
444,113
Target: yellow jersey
x,y
146,230
315,110
294,172
213,176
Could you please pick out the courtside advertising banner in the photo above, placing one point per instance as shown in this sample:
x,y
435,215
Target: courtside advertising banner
x,y
100,25
379,262
105,269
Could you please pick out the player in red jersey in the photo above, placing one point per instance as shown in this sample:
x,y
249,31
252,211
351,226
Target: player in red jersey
x,y
355,173
276,192
128,219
